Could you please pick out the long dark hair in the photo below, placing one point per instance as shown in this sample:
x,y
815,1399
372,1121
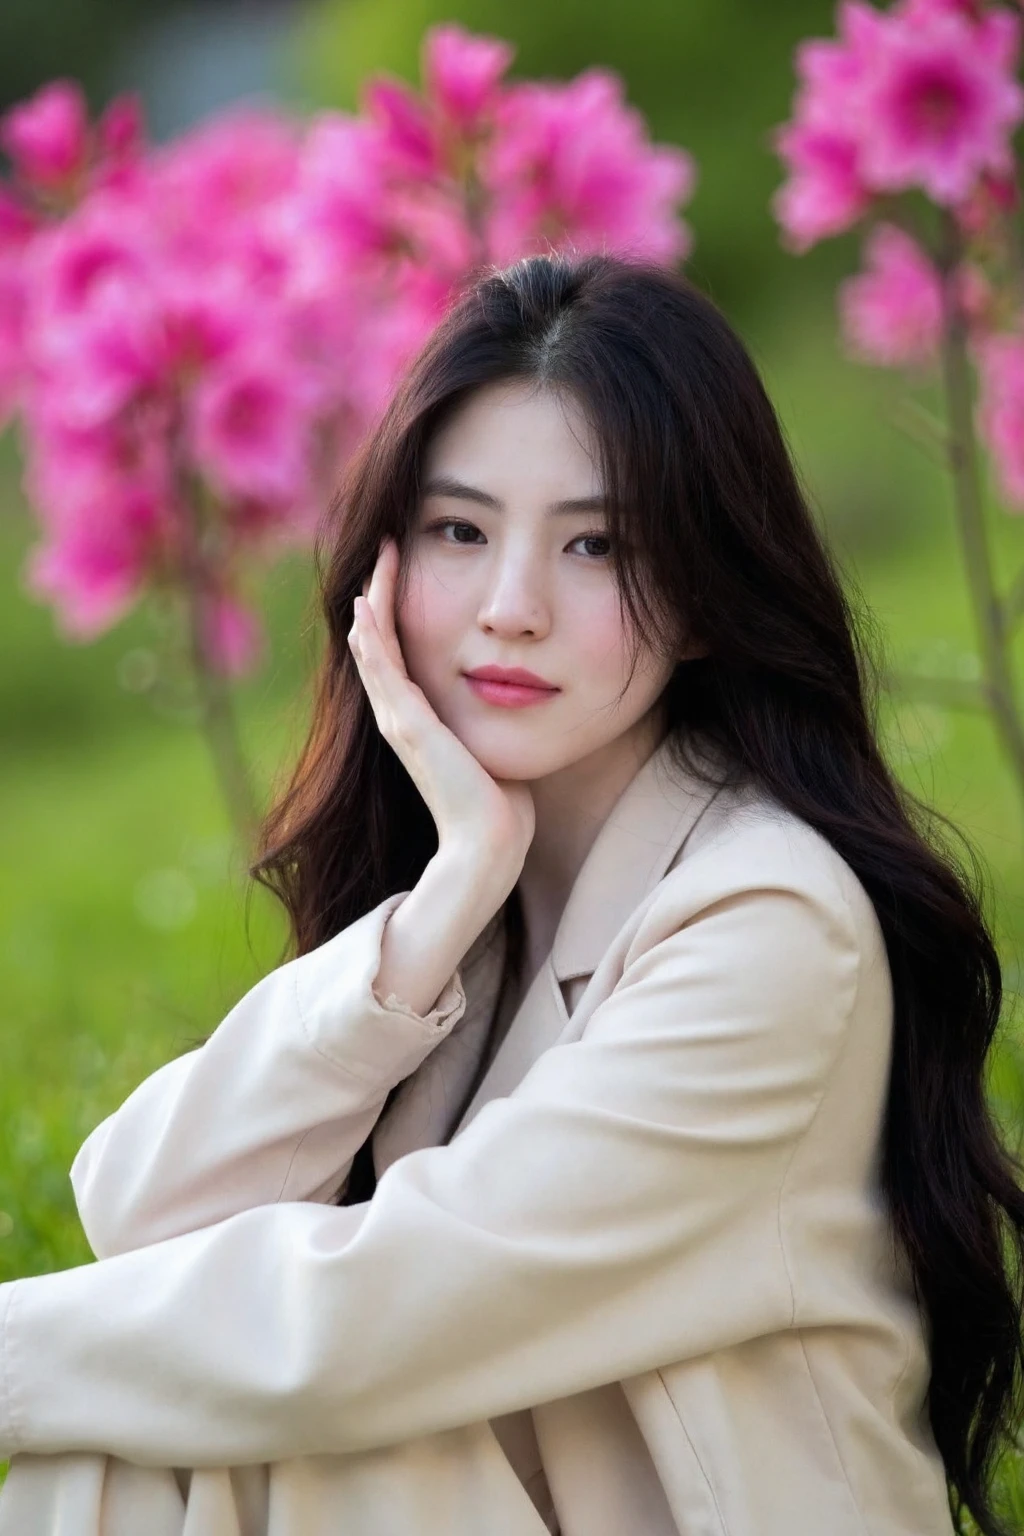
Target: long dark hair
x,y
708,521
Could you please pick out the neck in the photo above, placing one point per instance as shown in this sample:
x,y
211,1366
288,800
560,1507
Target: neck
x,y
572,806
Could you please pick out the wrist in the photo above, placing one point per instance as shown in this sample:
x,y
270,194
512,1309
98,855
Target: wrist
x,y
483,876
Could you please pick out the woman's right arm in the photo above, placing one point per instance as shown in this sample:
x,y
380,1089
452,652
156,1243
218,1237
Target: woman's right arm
x,y
276,1103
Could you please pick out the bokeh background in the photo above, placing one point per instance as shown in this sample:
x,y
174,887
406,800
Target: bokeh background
x,y
127,926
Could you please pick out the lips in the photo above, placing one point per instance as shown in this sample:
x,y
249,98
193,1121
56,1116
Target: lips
x,y
514,676
500,691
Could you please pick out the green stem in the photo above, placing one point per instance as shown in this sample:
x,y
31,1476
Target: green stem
x,y
217,715
963,464
219,726
1013,603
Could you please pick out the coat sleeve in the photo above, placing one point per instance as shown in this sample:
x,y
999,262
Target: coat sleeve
x,y
274,1106
574,1233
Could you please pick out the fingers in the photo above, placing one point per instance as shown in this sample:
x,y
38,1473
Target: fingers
x,y
372,662
379,590
373,641
399,706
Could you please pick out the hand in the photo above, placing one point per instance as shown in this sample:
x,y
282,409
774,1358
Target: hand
x,y
472,811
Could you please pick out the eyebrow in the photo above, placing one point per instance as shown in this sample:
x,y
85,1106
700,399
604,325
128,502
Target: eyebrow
x,y
447,485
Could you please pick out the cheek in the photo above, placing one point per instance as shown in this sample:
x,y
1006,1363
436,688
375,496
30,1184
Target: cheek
x,y
425,622
600,639
603,646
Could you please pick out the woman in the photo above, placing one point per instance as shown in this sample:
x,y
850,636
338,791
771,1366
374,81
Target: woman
x,y
613,1155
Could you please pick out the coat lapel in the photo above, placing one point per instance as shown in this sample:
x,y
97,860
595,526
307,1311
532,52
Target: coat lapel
x,y
642,837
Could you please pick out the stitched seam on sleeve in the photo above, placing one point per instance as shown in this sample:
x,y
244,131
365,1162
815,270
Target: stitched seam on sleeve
x,y
807,1130
6,1344
832,1439
366,1073
842,1033
686,1435
335,1061
291,1163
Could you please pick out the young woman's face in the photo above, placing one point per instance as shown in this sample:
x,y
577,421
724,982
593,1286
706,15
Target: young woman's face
x,y
497,574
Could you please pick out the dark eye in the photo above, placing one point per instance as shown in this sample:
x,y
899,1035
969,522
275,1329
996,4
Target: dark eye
x,y
458,525
451,522
598,538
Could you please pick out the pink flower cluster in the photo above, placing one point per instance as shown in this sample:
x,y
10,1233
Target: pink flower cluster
x,y
893,312
923,98
193,337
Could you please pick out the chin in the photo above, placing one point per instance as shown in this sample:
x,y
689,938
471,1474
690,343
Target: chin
x,y
523,760
527,764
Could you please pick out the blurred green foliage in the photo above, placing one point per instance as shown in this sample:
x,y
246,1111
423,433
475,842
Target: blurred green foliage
x,y
123,931
122,903
73,38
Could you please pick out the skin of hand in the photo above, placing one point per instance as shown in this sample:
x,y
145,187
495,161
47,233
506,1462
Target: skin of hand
x,y
472,810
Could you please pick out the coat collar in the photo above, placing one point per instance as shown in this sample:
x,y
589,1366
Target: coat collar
x,y
639,841
637,844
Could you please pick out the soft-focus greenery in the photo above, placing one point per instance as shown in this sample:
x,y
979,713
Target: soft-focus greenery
x,y
122,910
74,38
122,906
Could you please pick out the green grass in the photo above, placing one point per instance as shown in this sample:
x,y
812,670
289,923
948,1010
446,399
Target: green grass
x,y
122,922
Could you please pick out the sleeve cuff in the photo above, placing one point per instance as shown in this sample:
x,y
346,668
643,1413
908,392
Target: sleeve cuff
x,y
346,1021
10,1440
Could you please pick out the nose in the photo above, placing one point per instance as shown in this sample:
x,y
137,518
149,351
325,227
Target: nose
x,y
515,601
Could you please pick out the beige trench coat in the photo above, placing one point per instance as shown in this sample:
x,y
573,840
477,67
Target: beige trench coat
x,y
647,1287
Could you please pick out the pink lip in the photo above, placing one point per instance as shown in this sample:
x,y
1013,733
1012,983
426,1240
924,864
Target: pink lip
x,y
518,675
508,695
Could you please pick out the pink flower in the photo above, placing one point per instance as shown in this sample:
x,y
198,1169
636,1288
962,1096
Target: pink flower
x,y
249,431
202,322
821,146
17,225
573,163
984,211
219,180
16,230
462,73
941,104
78,473
407,141
346,186
119,132
922,96
47,137
93,568
893,312
833,73
12,344
93,325
232,635
1000,361
825,194
98,248
120,146
224,316
387,338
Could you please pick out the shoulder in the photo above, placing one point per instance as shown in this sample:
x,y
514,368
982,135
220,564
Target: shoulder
x,y
766,882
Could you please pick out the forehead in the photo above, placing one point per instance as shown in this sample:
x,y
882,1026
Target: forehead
x,y
517,433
